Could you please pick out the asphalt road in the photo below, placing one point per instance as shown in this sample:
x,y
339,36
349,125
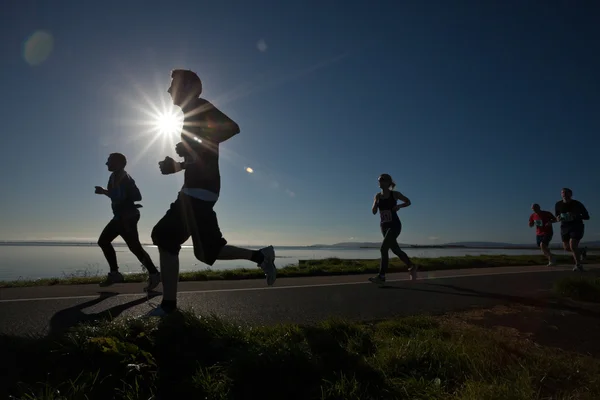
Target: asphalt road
x,y
41,310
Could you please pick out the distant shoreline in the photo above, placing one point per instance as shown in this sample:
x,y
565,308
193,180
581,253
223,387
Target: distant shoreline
x,y
339,246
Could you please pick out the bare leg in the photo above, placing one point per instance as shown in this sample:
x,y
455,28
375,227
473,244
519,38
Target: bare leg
x,y
264,258
169,266
575,250
238,253
546,251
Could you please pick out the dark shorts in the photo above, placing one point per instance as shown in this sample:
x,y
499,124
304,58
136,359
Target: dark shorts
x,y
572,232
193,217
546,239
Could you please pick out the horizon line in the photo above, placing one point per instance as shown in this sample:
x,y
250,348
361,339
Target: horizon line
x,y
92,242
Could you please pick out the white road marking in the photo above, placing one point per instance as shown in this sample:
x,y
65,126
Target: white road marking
x,y
317,285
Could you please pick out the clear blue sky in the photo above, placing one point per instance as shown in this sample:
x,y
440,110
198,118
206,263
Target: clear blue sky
x,y
476,111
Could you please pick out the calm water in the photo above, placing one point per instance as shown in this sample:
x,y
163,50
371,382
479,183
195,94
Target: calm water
x,y
46,261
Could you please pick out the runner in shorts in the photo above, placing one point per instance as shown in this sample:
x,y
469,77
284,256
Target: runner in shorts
x,y
192,213
571,214
543,220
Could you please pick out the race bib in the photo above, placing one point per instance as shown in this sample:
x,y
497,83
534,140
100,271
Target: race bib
x,y
386,215
566,217
539,222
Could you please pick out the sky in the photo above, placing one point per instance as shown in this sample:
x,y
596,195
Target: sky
x,y
477,110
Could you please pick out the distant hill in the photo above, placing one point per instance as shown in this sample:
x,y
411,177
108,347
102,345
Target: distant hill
x,y
485,244
594,243
354,245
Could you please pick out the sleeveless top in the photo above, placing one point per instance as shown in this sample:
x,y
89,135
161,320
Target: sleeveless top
x,y
389,218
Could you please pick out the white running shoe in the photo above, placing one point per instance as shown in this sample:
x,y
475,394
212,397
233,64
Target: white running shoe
x,y
552,262
413,272
268,264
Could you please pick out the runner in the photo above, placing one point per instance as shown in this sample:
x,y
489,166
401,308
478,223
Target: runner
x,y
571,214
123,193
386,203
192,213
544,231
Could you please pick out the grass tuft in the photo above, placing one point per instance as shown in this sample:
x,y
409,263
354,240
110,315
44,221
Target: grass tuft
x,y
579,288
184,356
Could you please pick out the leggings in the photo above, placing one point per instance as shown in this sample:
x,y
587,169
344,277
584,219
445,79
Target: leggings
x,y
127,229
389,243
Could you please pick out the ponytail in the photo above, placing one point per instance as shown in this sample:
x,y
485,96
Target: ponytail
x,y
388,178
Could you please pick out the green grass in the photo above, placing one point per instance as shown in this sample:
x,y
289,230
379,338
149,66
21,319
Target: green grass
x,y
579,288
325,267
186,357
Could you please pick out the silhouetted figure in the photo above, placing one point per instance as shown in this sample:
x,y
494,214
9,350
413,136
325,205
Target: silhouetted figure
x,y
543,220
123,193
192,213
571,214
387,203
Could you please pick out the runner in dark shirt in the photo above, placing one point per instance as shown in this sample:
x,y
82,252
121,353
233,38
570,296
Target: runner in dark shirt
x,y
123,193
192,213
571,214
543,220
386,203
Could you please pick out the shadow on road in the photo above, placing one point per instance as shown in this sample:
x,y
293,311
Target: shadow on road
x,y
544,302
72,316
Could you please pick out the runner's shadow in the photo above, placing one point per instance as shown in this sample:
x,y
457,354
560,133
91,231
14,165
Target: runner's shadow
x,y
72,316
553,303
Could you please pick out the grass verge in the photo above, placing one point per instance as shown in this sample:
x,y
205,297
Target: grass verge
x,y
579,288
183,356
324,267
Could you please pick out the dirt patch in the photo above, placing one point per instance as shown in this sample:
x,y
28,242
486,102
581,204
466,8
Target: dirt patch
x,y
574,327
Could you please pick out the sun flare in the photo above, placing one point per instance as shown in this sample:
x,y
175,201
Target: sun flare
x,y
169,122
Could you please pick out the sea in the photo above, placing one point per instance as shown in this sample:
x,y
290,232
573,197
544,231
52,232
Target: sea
x,y
24,261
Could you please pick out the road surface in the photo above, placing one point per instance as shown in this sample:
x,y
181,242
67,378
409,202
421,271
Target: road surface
x,y
42,310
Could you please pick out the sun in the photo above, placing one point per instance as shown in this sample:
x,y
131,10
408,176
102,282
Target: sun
x,y
169,122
